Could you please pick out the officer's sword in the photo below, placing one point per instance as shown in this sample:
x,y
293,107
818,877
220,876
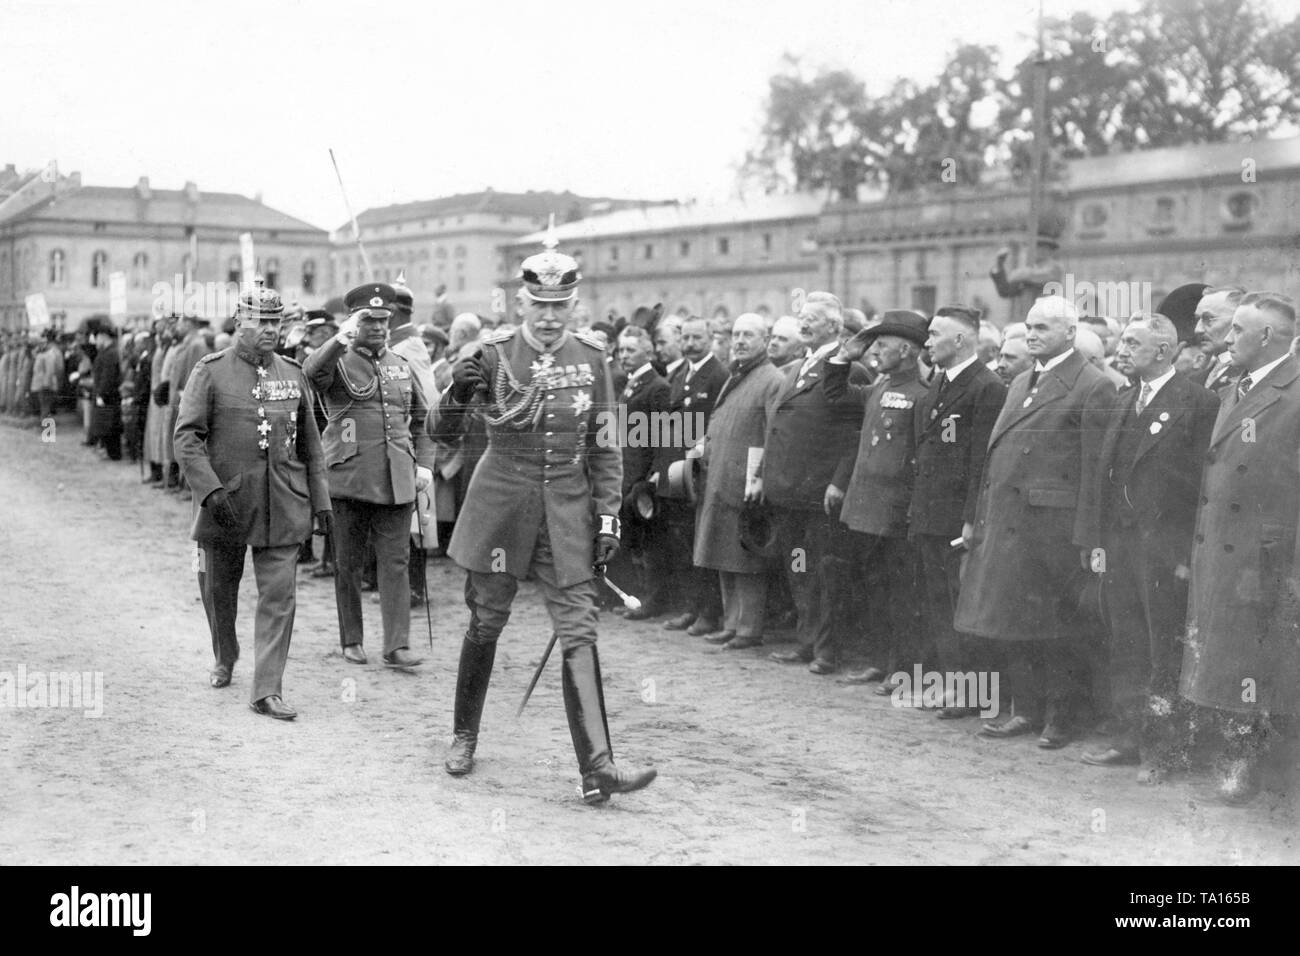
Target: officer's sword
x,y
630,602
356,230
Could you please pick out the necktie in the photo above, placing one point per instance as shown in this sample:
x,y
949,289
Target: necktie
x,y
943,383
1243,387
1033,379
1144,397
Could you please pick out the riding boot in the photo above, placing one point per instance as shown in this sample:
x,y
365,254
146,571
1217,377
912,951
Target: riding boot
x,y
476,658
584,701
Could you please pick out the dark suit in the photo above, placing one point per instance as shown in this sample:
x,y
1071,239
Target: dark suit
x,y
1141,510
106,418
691,396
645,399
809,438
952,426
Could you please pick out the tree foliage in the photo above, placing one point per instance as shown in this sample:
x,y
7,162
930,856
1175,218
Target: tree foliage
x,y
1172,73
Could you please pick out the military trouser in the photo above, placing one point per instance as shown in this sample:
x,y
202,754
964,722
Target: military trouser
x,y
389,527
221,570
572,609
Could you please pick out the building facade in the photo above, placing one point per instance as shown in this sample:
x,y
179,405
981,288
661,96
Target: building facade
x,y
695,259
1130,228
451,242
65,240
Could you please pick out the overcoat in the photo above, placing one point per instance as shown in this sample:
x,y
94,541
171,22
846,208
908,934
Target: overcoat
x,y
1243,637
1028,533
739,422
155,426
563,467
254,435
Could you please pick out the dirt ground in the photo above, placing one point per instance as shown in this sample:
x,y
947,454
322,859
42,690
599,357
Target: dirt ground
x,y
758,763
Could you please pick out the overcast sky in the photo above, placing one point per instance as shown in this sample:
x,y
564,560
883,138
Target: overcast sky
x,y
648,99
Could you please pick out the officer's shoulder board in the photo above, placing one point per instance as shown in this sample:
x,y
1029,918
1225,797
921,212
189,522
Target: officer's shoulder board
x,y
587,337
497,336
212,356
292,361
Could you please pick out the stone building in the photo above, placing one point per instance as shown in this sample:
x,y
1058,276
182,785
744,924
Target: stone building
x,y
452,242
63,239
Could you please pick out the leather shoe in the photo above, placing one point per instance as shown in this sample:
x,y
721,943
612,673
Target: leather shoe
x,y
220,676
679,623
868,675
741,643
402,657
1015,727
796,656
1112,757
702,627
1054,737
353,654
720,637
273,706
821,666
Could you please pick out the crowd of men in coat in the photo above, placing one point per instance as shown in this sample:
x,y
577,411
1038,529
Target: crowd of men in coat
x,y
1102,513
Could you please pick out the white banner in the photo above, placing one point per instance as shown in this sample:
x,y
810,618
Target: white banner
x,y
117,297
38,314
248,261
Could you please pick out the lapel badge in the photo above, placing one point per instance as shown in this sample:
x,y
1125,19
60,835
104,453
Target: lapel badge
x,y
1155,428
1027,401
1164,416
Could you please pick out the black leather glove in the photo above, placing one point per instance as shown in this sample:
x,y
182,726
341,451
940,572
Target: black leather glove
x,y
468,375
324,521
162,393
606,548
222,511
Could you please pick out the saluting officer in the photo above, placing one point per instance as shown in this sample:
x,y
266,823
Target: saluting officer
x,y
544,497
377,454
247,443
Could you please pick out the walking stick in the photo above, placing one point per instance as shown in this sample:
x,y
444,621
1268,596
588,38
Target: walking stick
x,y
546,655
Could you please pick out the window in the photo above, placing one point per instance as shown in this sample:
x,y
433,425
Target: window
x,y
139,270
924,298
724,246
57,264
460,252
1240,207
684,248
1164,211
233,270
440,252
649,250
460,283
1094,215
99,270
309,276
767,242
272,273
613,253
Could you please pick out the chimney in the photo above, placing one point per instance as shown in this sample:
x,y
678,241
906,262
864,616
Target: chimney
x,y
191,193
142,189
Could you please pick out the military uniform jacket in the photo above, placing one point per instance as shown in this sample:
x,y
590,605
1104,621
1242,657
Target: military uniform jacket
x,y
878,482
809,438
1244,623
375,413
1028,523
246,425
952,437
563,466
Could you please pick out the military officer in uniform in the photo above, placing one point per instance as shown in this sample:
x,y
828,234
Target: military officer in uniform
x,y
377,455
543,502
247,443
